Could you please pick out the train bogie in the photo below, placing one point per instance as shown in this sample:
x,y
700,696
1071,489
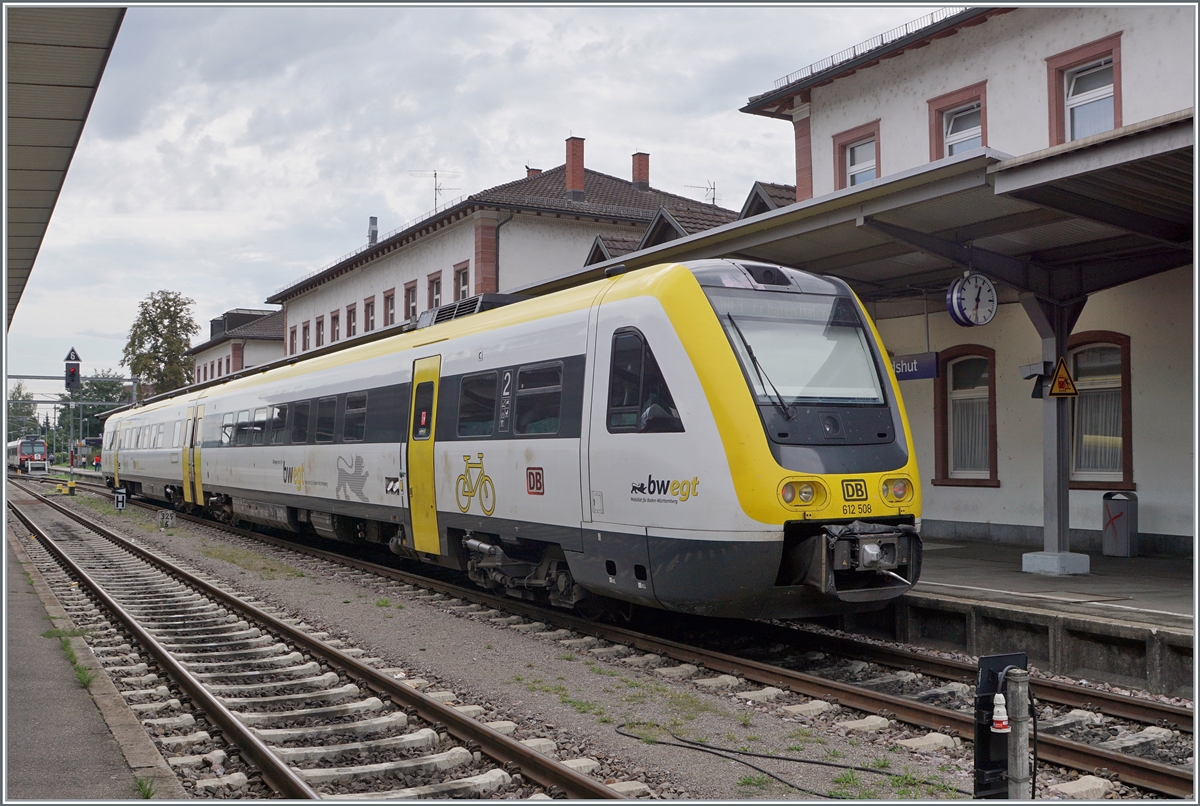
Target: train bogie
x,y
717,438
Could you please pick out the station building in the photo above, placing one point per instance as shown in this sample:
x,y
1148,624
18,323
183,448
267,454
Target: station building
x,y
238,339
500,238
1051,150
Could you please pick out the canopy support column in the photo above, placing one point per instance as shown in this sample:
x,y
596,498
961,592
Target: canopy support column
x,y
1054,322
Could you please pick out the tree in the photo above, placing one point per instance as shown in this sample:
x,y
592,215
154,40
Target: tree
x,y
158,339
22,412
107,389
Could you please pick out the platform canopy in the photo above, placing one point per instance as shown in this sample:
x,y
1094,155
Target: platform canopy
x,y
1059,223
56,56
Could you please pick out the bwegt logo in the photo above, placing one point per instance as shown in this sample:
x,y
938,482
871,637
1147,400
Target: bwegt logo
x,y
681,489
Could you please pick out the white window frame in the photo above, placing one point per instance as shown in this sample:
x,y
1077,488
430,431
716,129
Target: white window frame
x,y
410,303
1102,385
954,139
1086,98
463,281
952,394
435,293
854,170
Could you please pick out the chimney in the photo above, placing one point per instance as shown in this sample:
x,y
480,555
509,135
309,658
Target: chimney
x,y
575,168
372,230
532,171
641,171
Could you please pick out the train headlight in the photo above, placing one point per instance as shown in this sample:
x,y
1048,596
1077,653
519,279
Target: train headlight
x,y
798,493
896,489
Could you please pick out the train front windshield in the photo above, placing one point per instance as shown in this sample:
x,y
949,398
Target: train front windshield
x,y
35,449
803,348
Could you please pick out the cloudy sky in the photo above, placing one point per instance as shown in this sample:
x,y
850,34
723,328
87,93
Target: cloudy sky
x,y
232,150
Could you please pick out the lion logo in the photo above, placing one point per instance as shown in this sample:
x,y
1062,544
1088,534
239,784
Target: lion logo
x,y
351,482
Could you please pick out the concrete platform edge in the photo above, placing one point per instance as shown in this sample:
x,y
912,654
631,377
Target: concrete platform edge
x,y
140,752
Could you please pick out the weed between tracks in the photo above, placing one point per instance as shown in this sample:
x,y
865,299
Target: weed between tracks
x,y
265,567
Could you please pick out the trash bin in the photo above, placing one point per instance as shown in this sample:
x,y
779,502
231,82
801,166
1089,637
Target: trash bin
x,y
1120,525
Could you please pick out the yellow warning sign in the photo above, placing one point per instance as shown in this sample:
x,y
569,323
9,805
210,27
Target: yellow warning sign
x,y
1061,384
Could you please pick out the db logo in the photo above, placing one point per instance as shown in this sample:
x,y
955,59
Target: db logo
x,y
535,483
854,490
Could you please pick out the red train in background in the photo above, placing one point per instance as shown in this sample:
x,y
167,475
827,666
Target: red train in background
x,y
28,454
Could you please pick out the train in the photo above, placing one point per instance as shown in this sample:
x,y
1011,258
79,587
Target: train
x,y
717,437
28,455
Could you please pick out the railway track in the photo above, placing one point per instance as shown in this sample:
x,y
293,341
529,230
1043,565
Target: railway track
x,y
304,713
1163,778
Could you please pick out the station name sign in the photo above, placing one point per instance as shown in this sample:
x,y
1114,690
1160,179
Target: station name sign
x,y
916,366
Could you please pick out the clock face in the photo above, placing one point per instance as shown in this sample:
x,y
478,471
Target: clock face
x,y
972,300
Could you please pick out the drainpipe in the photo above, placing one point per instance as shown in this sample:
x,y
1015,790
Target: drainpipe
x,y
511,213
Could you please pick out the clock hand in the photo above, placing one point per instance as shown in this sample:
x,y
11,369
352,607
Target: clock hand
x,y
977,294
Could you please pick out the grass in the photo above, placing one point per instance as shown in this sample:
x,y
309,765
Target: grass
x,y
265,567
567,656
345,601
746,717
846,778
648,732
881,763
756,781
489,646
83,674
598,669
689,706
74,632
146,787
833,753
384,602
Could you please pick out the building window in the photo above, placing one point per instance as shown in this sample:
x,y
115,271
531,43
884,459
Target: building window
x,y
1100,417
335,325
958,121
410,301
304,337
435,290
965,417
292,341
320,331
968,412
964,129
1085,90
227,359
389,309
368,315
351,322
462,283
856,155
1089,99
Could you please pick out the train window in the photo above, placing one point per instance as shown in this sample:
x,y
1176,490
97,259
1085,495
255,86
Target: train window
x,y
423,410
539,399
638,398
278,423
175,436
326,413
300,422
158,440
227,429
354,425
477,405
259,427
241,436
187,435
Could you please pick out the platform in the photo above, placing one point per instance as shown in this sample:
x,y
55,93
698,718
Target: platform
x,y
1129,622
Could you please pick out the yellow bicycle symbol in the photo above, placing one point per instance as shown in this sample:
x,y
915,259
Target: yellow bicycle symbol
x,y
465,489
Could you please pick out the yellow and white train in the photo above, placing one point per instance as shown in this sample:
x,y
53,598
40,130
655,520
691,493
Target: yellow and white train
x,y
717,437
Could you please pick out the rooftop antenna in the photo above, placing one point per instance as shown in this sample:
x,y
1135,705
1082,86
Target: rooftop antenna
x,y
437,175
710,191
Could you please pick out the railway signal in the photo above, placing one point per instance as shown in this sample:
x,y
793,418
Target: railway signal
x,y
71,377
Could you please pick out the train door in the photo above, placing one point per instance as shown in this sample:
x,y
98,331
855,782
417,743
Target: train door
x,y
116,454
187,455
197,437
422,497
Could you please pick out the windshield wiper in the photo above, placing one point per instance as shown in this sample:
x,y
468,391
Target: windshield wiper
x,y
763,379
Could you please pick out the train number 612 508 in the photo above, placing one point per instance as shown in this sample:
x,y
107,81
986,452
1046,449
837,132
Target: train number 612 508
x,y
856,509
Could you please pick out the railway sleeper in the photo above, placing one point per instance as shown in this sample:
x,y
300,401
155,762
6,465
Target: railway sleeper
x,y
482,784
382,724
230,692
327,695
280,660
240,638
437,762
269,718
417,740
309,668
251,653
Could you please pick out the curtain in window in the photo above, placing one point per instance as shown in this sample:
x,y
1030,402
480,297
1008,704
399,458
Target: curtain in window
x,y
1098,431
969,421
